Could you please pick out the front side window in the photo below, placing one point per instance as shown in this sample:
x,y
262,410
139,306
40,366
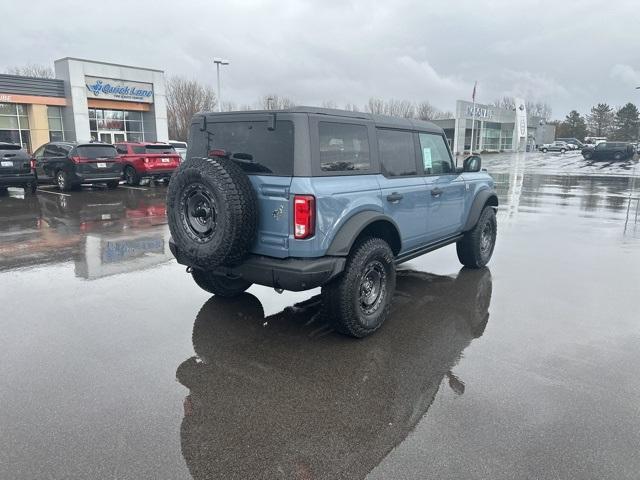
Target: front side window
x,y
435,155
397,153
344,147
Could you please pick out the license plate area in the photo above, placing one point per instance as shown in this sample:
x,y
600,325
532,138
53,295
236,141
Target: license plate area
x,y
6,163
165,160
101,165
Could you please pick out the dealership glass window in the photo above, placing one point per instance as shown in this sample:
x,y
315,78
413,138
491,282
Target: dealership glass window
x,y
56,127
14,125
101,120
343,147
491,136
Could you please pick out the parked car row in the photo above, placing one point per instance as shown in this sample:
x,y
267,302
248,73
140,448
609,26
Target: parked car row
x,y
603,150
71,164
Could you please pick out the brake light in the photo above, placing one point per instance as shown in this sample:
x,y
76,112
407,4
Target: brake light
x,y
78,159
32,164
146,160
217,153
304,216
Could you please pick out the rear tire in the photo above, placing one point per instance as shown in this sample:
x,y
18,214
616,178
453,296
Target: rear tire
x,y
359,301
476,247
220,285
131,177
587,155
65,182
544,150
113,184
617,156
31,187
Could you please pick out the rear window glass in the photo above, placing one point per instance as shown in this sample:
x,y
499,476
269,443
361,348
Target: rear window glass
x,y
343,147
254,147
9,146
96,151
397,153
179,145
151,149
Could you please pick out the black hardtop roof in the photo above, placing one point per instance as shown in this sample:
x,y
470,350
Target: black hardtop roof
x,y
380,120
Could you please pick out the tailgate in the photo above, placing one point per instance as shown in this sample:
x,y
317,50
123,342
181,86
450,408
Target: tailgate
x,y
14,160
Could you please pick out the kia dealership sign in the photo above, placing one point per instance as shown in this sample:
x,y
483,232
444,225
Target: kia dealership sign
x,y
123,90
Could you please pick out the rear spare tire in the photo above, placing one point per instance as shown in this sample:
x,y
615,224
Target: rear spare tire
x,y
212,212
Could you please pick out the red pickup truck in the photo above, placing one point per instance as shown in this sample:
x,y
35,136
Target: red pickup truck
x,y
141,160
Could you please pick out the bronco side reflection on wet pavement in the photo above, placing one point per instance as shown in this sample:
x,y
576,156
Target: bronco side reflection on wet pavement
x,y
291,402
113,366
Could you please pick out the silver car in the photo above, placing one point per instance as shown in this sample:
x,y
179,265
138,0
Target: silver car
x,y
180,148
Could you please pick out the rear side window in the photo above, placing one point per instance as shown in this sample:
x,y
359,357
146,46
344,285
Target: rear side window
x,y
343,147
96,151
435,155
254,147
397,153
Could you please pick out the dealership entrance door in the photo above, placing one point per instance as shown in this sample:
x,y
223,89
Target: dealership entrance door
x,y
112,137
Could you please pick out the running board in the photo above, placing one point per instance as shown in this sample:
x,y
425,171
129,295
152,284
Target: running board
x,y
405,257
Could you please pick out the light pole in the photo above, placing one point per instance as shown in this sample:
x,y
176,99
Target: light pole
x,y
218,62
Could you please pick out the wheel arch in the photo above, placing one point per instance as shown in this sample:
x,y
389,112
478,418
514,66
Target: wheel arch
x,y
483,198
365,224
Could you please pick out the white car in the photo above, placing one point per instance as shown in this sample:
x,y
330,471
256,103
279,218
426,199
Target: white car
x,y
180,148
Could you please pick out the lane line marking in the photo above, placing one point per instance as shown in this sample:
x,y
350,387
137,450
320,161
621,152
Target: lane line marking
x,y
133,188
54,193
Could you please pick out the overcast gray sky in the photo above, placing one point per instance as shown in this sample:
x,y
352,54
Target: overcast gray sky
x,y
568,54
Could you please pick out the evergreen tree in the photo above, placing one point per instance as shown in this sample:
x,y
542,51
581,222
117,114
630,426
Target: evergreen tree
x,y
600,120
627,123
573,126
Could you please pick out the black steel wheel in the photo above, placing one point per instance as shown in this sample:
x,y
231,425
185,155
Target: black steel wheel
x,y
359,301
477,245
220,285
131,177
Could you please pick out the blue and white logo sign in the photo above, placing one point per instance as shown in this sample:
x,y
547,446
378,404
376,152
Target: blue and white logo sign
x,y
123,90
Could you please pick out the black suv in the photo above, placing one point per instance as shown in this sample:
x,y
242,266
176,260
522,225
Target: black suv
x,y
16,168
609,151
69,164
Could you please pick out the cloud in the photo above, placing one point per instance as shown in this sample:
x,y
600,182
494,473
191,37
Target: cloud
x,y
626,74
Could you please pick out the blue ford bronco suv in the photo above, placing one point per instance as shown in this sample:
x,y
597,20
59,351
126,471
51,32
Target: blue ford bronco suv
x,y
310,197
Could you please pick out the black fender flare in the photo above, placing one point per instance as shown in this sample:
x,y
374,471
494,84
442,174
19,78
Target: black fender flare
x,y
478,204
346,236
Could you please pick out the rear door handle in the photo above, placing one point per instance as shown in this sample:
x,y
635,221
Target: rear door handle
x,y
436,192
394,197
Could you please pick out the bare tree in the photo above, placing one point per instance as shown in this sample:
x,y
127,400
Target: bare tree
x,y
229,107
352,107
329,104
426,111
32,70
276,102
507,103
185,98
399,108
376,105
539,109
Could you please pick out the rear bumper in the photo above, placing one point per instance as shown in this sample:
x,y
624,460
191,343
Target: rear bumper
x,y
294,274
98,177
16,180
157,173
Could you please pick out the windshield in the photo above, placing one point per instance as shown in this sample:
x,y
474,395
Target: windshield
x,y
96,151
254,147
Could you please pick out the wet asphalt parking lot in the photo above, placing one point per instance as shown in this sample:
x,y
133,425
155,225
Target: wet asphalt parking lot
x,y
114,364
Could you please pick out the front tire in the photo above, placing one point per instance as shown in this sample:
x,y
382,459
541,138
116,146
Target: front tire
x,y
544,150
562,150
359,301
617,156
587,155
476,247
220,285
113,184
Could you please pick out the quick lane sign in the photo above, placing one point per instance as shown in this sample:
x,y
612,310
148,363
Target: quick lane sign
x,y
123,90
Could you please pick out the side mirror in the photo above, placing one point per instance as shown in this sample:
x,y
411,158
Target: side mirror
x,y
473,163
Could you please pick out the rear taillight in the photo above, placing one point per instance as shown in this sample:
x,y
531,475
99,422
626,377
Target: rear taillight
x,y
145,160
78,159
304,216
217,153
32,164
